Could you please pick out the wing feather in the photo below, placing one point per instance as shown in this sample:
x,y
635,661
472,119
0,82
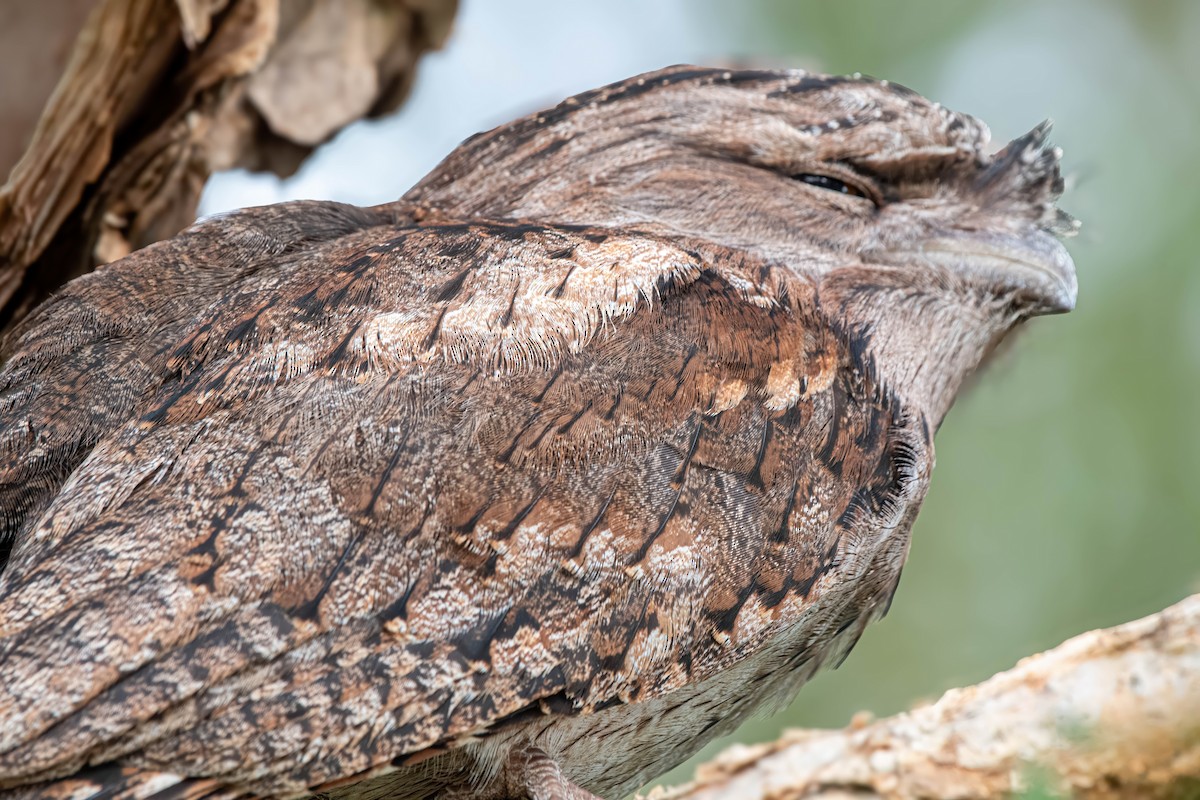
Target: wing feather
x,y
385,486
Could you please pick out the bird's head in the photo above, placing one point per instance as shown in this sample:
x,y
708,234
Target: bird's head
x,y
915,236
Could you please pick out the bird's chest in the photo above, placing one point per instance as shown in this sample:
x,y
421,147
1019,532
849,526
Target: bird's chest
x,y
798,610
615,751
756,658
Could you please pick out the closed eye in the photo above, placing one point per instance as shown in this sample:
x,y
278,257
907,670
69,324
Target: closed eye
x,y
830,183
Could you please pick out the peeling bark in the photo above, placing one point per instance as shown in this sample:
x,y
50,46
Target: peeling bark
x,y
1112,713
155,96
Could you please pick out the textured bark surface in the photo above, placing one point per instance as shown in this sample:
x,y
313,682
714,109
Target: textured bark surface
x,y
1112,713
155,96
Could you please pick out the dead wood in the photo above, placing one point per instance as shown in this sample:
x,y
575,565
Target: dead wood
x,y
154,96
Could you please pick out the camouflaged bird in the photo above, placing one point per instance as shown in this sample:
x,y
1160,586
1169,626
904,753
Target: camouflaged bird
x,y
608,434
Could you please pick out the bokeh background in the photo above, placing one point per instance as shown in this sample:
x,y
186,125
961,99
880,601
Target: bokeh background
x,y
1066,492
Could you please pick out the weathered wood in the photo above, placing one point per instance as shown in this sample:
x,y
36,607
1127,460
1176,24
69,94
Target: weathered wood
x,y
156,96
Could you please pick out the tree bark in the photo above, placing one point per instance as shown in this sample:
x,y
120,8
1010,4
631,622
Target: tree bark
x,y
1112,713
156,95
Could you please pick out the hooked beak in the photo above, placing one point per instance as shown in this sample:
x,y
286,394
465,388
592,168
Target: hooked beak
x,y
1034,268
1027,264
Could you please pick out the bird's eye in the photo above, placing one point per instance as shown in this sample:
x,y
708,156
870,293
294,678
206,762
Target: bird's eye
x,y
832,184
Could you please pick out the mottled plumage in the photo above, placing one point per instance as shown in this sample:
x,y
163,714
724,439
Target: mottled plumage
x,y
609,433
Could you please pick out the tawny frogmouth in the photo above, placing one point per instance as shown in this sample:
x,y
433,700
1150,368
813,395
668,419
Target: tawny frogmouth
x,y
610,432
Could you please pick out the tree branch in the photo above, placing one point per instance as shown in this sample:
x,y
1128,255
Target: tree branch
x,y
158,95
1112,713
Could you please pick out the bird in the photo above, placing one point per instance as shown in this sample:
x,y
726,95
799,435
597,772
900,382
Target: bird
x,y
608,434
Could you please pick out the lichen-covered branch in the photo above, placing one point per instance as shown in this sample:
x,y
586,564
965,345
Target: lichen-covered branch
x,y
1112,713
155,96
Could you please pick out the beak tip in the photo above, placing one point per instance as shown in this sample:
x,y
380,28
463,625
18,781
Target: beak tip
x,y
1060,270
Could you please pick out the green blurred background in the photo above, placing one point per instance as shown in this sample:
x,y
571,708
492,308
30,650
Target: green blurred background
x,y
1064,497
